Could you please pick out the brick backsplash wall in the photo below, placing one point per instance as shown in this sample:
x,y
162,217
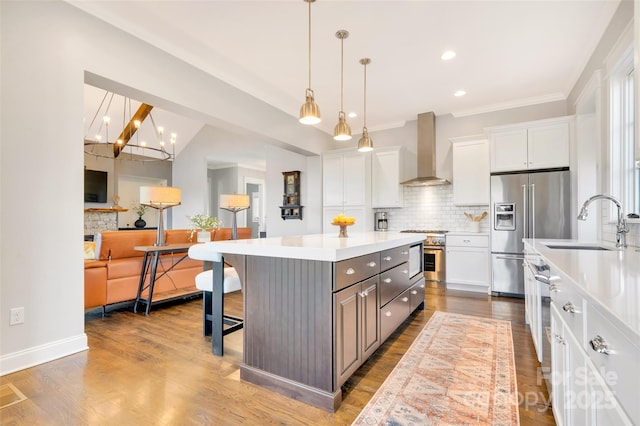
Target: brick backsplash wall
x,y
431,207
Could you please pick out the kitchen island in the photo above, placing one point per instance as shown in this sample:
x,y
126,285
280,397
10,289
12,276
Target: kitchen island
x,y
317,306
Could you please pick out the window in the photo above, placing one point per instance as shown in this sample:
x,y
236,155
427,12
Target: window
x,y
625,174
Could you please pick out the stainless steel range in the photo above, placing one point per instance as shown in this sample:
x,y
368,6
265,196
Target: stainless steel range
x,y
434,250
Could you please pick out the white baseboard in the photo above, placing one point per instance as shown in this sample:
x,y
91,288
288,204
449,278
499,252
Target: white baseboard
x,y
468,287
44,353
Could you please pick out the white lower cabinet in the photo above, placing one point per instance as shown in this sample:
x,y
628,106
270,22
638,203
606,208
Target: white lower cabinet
x,y
467,262
582,390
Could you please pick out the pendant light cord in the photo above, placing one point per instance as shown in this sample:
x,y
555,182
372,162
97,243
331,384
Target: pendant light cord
x,y
365,95
309,38
341,73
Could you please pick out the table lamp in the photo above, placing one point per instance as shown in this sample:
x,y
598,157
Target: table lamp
x,y
234,203
160,198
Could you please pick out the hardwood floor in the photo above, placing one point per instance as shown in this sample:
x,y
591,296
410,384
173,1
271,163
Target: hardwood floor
x,y
159,370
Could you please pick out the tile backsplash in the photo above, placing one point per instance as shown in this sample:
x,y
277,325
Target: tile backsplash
x,y
431,207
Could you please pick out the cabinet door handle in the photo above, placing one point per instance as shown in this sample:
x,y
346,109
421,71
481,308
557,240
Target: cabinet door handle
x,y
414,291
405,271
421,285
405,299
559,340
553,287
569,307
387,258
599,345
350,271
466,241
371,264
364,294
387,280
387,314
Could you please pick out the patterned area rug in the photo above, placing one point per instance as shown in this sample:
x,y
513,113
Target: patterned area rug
x,y
460,370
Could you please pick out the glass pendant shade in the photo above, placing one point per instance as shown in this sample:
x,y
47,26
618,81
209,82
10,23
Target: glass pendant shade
x,y
365,144
342,131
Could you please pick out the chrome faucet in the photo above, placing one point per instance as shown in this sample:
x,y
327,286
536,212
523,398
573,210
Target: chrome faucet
x,y
621,228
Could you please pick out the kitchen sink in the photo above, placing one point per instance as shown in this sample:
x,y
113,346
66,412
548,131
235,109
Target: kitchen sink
x,y
577,246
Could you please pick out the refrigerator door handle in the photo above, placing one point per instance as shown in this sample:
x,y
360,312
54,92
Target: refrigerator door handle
x,y
524,211
533,210
510,257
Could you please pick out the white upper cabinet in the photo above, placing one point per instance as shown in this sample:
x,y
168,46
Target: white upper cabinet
x,y
527,146
346,188
470,171
386,169
345,178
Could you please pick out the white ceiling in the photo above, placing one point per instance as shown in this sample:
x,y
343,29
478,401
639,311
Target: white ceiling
x,y
509,53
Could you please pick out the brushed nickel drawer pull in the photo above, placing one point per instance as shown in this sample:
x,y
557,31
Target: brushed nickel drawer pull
x,y
387,280
599,345
405,271
387,314
404,253
569,307
387,258
350,271
405,299
414,291
371,264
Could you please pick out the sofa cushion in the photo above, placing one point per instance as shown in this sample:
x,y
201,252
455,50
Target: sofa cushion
x,y
89,250
120,244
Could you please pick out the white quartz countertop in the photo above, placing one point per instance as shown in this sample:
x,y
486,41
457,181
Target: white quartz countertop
x,y
609,278
323,247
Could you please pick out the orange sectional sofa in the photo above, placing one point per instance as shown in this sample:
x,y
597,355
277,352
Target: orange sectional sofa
x,y
114,274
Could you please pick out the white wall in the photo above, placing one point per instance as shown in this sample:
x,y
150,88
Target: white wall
x,y
278,161
48,51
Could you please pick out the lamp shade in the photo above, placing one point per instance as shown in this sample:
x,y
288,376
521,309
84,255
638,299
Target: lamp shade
x,y
234,201
159,196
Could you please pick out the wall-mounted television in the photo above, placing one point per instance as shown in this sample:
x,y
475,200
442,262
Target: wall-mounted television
x,y
95,186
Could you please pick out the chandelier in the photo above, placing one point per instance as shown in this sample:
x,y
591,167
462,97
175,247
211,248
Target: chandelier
x,y
107,138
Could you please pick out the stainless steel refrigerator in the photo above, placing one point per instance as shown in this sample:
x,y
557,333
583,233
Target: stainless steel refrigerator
x,y
525,205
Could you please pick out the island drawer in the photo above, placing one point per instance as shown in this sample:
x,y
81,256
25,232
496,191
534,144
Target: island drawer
x,y
392,315
618,368
468,240
393,282
417,294
351,271
393,257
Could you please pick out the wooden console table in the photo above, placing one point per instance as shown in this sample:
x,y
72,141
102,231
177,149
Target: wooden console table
x,y
154,253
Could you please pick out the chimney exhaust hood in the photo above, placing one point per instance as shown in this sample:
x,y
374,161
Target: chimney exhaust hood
x,y
426,153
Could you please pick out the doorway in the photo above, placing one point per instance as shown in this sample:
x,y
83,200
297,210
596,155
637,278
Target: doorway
x,y
255,213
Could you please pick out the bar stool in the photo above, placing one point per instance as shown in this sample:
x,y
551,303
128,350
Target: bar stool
x,y
231,283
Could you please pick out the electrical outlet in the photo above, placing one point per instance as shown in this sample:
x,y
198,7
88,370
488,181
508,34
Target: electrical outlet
x,y
17,316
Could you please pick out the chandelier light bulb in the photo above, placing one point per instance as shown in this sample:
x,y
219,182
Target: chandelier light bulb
x,y
119,141
98,138
106,119
143,143
136,123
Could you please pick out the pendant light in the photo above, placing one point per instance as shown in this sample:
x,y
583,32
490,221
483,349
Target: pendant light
x,y
309,112
365,144
342,131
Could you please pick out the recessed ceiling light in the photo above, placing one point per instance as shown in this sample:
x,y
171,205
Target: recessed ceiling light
x,y
460,93
448,54
352,115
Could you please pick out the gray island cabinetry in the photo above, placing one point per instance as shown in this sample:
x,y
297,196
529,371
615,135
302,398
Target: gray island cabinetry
x,y
317,306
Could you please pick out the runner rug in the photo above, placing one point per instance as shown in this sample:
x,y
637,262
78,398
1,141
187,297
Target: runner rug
x,y
460,370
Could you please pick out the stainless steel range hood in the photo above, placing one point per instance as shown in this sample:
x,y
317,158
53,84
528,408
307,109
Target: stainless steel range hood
x,y
426,153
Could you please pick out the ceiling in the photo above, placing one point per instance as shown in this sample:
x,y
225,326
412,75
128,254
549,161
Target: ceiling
x,y
509,53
